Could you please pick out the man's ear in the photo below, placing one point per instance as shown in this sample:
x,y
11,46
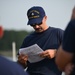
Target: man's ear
x,y
73,14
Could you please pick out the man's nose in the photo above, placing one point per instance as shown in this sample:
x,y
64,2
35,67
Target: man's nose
x,y
36,26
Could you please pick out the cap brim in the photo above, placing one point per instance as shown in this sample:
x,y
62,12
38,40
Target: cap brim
x,y
33,21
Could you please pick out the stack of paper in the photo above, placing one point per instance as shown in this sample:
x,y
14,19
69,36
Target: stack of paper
x,y
32,52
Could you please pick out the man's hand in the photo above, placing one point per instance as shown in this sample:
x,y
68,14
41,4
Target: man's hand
x,y
73,14
50,53
22,59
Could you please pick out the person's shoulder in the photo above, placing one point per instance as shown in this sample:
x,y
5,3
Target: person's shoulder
x,y
9,67
72,23
29,35
70,26
57,29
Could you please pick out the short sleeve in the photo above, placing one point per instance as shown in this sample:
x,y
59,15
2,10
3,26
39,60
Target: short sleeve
x,y
68,43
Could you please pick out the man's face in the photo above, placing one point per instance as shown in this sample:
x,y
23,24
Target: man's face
x,y
40,27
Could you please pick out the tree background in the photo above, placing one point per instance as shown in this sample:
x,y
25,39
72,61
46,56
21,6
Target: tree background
x,y
9,37
12,36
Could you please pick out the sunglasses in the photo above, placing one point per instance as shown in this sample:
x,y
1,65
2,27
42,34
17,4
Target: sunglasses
x,y
36,24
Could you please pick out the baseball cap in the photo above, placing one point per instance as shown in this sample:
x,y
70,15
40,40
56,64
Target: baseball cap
x,y
35,15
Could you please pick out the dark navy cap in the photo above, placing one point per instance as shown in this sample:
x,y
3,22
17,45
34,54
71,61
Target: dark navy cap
x,y
35,15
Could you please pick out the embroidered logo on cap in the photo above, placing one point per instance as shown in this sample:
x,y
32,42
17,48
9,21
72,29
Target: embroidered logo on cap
x,y
33,14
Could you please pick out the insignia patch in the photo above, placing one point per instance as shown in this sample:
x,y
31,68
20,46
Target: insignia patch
x,y
32,14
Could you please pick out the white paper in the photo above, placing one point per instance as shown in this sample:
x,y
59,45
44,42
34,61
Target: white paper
x,y
32,52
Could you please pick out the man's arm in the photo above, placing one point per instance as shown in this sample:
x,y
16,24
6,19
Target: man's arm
x,y
63,58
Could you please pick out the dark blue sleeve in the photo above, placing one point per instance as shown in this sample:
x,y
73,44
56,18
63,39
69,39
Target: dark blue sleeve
x,y
69,37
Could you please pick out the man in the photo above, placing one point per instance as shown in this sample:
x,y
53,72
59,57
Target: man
x,y
47,38
10,68
65,58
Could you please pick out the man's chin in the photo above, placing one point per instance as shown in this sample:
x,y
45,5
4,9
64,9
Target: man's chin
x,y
39,30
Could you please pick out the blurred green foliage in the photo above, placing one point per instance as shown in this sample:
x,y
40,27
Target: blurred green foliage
x,y
12,36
